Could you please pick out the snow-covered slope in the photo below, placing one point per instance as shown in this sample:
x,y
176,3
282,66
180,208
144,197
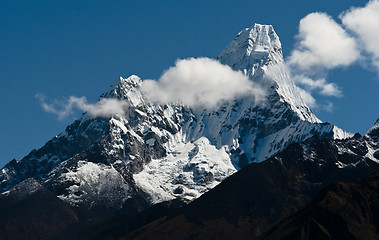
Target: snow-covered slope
x,y
372,142
161,152
257,52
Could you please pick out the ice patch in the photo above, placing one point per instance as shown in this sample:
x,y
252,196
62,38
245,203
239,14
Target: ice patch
x,y
189,170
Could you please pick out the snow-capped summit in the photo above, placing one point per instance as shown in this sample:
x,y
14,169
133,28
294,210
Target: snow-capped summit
x,y
159,152
251,48
120,88
257,52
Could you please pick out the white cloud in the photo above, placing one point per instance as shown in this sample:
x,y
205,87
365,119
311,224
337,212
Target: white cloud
x,y
200,82
322,43
364,22
320,85
103,108
107,107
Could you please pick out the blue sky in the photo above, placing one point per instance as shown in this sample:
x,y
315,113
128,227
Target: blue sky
x,y
79,48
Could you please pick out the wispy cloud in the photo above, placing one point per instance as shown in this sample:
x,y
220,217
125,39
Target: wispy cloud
x,y
320,85
311,102
64,108
200,82
328,106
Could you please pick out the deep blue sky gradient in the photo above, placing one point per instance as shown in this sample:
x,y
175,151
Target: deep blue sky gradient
x,y
64,48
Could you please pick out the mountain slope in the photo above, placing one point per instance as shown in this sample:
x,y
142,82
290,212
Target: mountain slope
x,y
30,211
341,211
156,153
250,202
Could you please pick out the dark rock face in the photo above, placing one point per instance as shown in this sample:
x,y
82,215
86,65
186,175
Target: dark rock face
x,y
253,200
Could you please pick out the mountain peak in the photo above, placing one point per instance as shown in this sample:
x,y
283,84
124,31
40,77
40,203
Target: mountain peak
x,y
263,37
258,45
120,88
154,153
257,52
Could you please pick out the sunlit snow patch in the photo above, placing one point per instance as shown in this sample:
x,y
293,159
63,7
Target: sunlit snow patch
x,y
187,172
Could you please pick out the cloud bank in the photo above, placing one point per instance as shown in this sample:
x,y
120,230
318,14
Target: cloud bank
x,y
200,82
105,107
324,44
